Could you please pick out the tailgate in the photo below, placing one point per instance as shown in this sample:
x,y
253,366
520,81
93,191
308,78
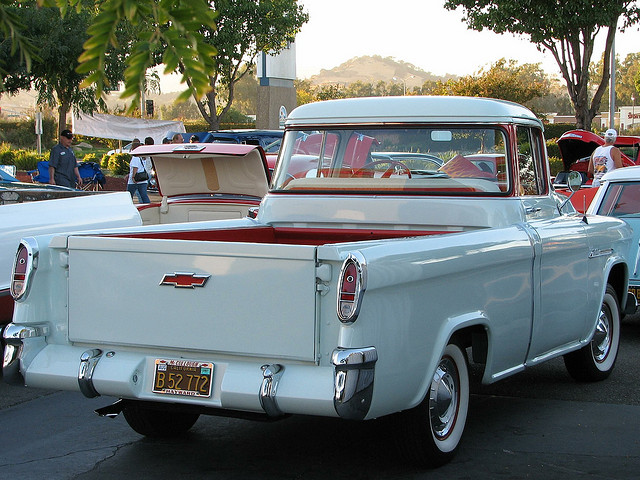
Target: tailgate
x,y
259,299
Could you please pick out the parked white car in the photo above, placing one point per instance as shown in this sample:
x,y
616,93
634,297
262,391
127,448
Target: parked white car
x,y
619,197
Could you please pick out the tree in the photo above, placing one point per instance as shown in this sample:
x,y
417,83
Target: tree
x,y
244,28
504,79
59,42
567,29
626,73
173,25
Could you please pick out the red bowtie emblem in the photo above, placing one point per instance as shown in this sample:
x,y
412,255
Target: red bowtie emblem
x,y
184,280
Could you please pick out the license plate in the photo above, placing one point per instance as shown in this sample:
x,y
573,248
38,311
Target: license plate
x,y
183,377
636,292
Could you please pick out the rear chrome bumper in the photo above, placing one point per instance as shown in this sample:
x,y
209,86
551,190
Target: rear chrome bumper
x,y
354,374
14,337
344,389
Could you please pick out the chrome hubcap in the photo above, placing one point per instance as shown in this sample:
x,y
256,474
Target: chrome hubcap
x,y
444,398
601,342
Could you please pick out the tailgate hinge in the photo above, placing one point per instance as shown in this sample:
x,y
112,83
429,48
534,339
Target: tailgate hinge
x,y
323,277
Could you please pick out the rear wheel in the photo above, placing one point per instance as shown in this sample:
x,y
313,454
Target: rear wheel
x,y
431,432
152,422
596,360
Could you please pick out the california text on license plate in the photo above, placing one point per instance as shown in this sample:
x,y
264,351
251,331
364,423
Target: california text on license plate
x,y
183,377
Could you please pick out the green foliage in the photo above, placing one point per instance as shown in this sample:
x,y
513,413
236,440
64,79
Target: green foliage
x,y
22,159
504,79
7,155
118,163
553,150
555,130
244,28
104,161
568,30
172,26
28,159
59,42
22,134
90,157
555,166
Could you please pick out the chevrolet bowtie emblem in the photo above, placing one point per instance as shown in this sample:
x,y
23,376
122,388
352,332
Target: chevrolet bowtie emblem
x,y
184,280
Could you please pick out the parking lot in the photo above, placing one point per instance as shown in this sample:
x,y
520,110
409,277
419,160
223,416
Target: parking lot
x,y
537,424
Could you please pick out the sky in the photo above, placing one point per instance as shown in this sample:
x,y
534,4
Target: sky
x,y
420,32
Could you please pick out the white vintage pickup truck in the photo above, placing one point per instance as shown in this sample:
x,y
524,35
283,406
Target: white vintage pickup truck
x,y
400,239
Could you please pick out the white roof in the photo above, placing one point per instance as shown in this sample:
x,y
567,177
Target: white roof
x,y
622,174
412,109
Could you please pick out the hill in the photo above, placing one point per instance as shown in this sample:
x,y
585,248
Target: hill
x,y
372,69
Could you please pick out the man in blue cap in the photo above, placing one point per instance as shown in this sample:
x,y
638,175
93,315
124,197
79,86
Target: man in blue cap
x,y
63,166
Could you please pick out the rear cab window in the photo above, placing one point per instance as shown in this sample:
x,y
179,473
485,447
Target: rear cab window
x,y
439,160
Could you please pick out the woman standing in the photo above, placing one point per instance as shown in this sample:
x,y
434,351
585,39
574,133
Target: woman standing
x,y
137,166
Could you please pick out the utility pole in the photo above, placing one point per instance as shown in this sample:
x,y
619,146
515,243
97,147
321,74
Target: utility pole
x,y
612,86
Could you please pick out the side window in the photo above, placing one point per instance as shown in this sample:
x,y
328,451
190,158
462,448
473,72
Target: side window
x,y
530,161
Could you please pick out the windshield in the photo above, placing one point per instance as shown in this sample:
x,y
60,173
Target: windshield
x,y
448,160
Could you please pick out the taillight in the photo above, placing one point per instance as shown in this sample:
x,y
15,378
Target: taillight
x,y
351,287
25,263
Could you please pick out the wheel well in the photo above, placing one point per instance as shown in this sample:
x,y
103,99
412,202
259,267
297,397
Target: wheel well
x,y
475,337
617,279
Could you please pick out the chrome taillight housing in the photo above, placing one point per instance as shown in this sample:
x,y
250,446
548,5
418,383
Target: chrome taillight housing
x,y
24,265
351,287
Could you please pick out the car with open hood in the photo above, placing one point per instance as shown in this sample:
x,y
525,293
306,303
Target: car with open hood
x,y
576,147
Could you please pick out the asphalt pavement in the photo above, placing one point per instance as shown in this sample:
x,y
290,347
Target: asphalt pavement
x,y
539,424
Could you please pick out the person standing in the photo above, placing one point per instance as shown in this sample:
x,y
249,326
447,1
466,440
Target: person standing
x,y
63,166
137,165
605,157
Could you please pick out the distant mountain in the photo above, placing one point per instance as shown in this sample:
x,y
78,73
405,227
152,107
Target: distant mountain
x,y
372,69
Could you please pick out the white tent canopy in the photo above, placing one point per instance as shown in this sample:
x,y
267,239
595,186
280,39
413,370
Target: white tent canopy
x,y
101,125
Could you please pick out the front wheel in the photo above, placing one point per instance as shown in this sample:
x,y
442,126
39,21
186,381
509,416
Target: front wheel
x,y
596,360
431,432
158,423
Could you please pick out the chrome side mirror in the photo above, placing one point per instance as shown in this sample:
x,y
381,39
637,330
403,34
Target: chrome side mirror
x,y
574,182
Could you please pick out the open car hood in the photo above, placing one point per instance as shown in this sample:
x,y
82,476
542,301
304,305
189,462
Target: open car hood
x,y
208,168
578,144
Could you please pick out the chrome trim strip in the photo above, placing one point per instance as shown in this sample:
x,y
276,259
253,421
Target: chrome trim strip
x,y
353,381
88,361
600,252
269,388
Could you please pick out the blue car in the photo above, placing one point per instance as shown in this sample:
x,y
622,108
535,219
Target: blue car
x,y
14,191
269,140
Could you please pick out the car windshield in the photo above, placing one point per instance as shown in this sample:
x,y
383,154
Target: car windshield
x,y
448,160
621,200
